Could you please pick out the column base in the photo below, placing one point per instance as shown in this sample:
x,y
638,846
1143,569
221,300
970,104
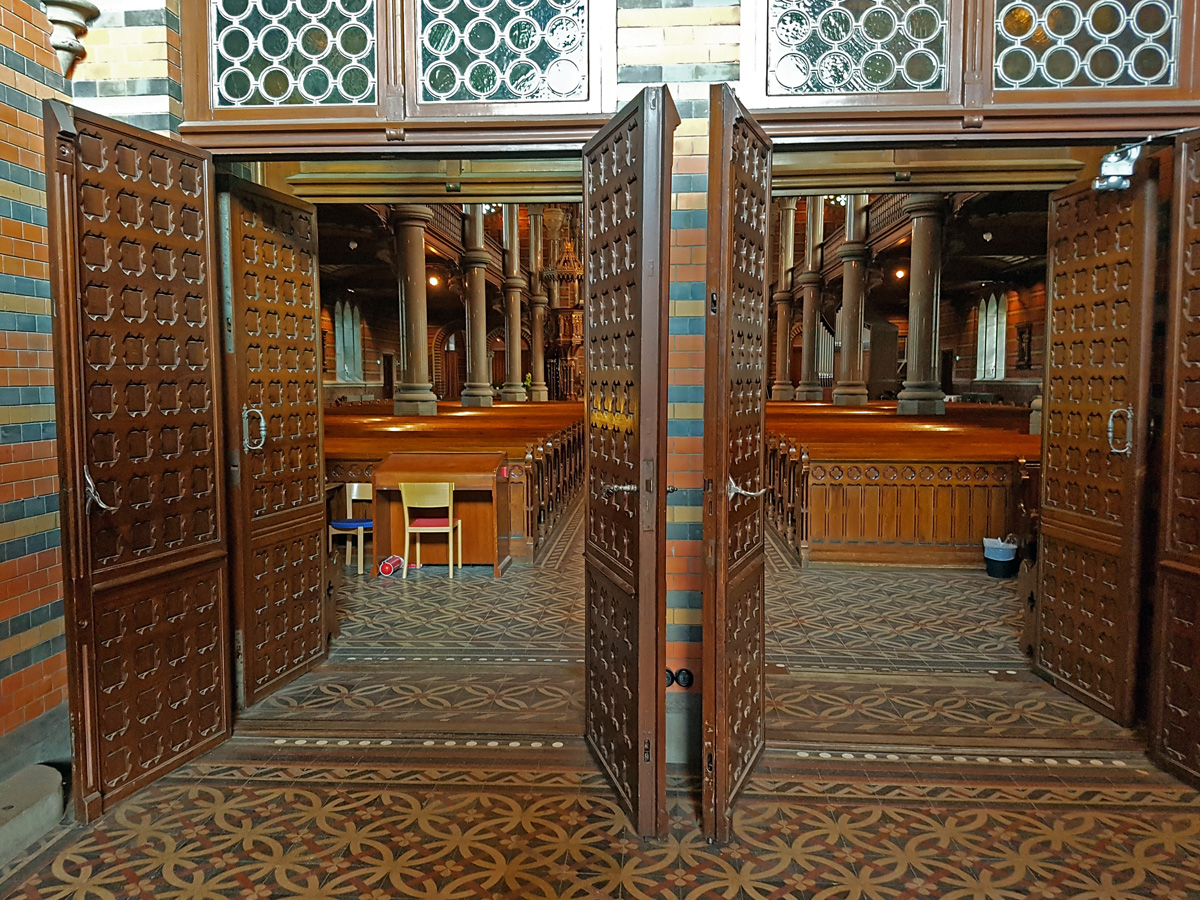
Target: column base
x,y
924,407
477,396
850,395
414,407
782,392
513,393
809,393
539,394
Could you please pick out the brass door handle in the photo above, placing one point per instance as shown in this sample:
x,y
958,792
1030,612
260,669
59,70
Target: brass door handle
x,y
1127,412
92,495
609,489
733,490
251,444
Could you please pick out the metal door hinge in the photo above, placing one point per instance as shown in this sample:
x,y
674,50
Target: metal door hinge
x,y
646,752
709,763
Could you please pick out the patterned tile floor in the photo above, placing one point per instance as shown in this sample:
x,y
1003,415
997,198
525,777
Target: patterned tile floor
x,y
912,756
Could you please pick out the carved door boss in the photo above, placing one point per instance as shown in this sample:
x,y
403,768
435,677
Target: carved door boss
x,y
1175,697
273,416
137,352
626,197
739,201
1100,298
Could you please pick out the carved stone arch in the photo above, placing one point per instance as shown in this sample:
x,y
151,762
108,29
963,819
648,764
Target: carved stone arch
x,y
797,330
497,334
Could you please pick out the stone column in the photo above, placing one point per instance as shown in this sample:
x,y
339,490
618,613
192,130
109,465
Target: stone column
x,y
782,388
922,394
809,284
537,309
478,389
850,388
514,286
414,394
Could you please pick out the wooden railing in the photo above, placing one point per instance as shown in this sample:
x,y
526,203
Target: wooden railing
x,y
895,511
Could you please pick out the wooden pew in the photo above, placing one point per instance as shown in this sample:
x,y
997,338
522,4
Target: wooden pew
x,y
543,445
866,486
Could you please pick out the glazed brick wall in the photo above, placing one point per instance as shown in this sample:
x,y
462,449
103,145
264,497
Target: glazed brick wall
x,y
133,68
32,661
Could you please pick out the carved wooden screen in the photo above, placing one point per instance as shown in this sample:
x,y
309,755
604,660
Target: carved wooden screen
x,y
277,490
626,195
1101,270
1175,704
144,544
739,200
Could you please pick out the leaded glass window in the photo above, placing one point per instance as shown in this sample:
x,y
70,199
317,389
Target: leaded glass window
x,y
1086,44
293,53
856,46
502,50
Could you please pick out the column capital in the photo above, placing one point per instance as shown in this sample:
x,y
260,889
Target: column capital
x,y
925,204
788,202
854,251
782,298
475,259
411,214
809,278
515,282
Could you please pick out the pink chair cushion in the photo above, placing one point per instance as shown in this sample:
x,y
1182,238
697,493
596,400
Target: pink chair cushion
x,y
432,523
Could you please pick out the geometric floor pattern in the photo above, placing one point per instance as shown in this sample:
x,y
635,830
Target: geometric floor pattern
x,y
254,821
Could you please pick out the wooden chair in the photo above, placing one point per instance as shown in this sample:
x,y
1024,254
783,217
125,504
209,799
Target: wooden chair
x,y
352,527
428,496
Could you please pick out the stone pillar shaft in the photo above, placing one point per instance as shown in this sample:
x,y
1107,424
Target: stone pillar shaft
x,y
414,395
922,394
782,388
850,387
537,310
514,285
809,284
478,389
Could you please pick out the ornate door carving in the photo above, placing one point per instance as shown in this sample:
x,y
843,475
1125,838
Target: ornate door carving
x,y
144,544
1175,701
626,196
1100,299
735,382
277,488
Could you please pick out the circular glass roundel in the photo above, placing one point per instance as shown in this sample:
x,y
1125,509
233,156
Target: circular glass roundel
x,y
793,27
440,6
314,8
313,40
480,6
483,78
1063,20
523,78
878,68
235,9
236,44
921,67
564,34
441,80
835,68
276,83
1061,64
1017,65
1106,19
793,71
355,82
1104,64
482,36
353,8
1150,63
314,83
835,25
275,42
354,40
522,5
273,9
922,23
880,24
1151,19
1018,21
522,34
563,77
441,37
236,85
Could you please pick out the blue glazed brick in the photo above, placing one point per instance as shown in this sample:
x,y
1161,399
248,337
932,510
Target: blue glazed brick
x,y
684,634
685,599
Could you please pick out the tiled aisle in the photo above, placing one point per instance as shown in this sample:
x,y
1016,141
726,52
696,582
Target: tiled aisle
x,y
912,756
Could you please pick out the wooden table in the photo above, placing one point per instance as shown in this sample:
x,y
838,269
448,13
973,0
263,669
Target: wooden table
x,y
480,489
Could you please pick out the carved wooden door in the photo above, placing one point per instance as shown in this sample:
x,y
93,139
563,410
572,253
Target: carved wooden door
x,y
1175,697
1100,304
626,196
273,414
739,200
140,441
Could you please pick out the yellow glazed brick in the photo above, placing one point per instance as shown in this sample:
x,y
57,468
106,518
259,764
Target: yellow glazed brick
x,y
666,54
719,15
691,127
19,415
24,527
685,617
691,201
38,306
31,638
689,308
640,37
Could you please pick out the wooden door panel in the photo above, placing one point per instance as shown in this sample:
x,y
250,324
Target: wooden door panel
x,y
1175,697
739,200
626,190
137,353
1100,306
277,497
